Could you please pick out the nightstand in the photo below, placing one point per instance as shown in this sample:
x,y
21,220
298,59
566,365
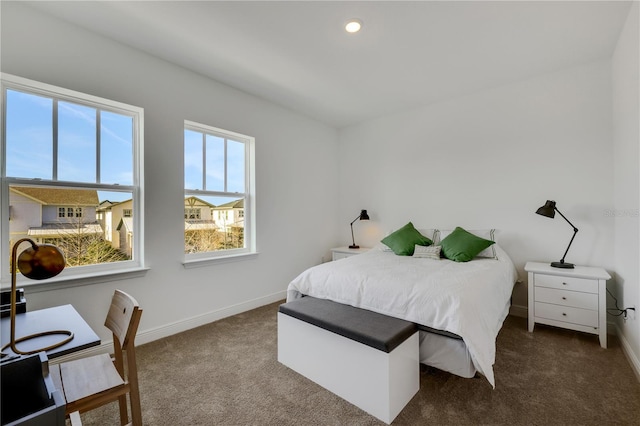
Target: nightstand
x,y
574,299
342,252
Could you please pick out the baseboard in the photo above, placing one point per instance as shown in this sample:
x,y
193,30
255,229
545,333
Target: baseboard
x,y
147,336
628,352
519,311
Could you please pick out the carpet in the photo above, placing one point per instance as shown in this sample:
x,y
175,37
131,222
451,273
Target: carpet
x,y
227,373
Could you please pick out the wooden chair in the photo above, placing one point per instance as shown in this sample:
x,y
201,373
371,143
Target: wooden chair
x,y
91,382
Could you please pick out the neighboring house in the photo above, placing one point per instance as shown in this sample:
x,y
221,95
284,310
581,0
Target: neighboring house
x,y
229,215
198,214
125,235
47,214
110,214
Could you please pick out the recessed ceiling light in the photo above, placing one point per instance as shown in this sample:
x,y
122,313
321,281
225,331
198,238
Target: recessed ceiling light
x,y
353,26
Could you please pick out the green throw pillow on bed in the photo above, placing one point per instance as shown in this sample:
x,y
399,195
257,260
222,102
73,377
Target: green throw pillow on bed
x,y
404,240
462,246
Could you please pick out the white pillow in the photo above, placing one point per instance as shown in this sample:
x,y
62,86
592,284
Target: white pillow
x,y
427,252
487,234
429,233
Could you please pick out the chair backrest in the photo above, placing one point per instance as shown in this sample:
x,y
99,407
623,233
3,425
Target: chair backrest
x,y
123,318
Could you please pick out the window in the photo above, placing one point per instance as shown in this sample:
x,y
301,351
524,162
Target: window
x,y
67,159
127,213
192,214
218,179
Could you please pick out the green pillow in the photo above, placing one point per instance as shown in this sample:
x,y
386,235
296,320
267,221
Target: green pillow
x,y
462,246
404,240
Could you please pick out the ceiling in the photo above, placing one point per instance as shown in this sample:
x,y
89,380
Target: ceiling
x,y
408,54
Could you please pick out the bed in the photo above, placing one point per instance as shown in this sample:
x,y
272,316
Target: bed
x,y
458,306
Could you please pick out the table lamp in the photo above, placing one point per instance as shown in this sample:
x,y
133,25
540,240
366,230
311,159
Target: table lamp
x,y
38,262
549,210
362,216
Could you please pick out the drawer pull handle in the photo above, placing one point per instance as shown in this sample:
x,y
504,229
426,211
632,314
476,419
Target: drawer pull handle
x,y
564,283
564,298
564,315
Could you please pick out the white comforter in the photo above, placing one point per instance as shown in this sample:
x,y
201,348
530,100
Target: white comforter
x,y
467,299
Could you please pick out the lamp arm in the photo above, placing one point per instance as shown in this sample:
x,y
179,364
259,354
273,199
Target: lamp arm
x,y
353,240
563,216
575,231
12,312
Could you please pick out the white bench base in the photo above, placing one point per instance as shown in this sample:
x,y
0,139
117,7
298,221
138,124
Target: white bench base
x,y
379,383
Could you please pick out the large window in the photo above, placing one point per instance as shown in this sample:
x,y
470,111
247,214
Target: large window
x,y
70,162
218,182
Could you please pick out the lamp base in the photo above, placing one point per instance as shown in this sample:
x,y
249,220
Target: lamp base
x,y
354,247
564,265
12,344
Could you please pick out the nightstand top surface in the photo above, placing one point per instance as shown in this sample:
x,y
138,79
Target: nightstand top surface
x,y
592,272
346,249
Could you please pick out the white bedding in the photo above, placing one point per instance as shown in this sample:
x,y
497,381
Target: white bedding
x,y
467,299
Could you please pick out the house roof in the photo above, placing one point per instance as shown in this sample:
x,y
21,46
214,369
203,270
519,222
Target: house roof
x,y
64,229
127,222
195,201
198,224
237,204
107,205
59,196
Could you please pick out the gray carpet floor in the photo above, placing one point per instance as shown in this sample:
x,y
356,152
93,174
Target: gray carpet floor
x,y
227,373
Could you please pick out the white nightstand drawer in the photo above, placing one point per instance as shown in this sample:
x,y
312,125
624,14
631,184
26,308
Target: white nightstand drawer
x,y
579,316
575,299
566,283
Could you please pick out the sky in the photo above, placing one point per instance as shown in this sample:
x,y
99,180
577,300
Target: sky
x,y
30,141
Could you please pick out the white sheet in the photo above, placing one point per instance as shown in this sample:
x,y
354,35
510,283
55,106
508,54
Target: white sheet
x,y
467,299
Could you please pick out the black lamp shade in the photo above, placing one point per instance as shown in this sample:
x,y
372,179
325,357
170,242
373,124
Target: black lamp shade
x,y
364,215
548,210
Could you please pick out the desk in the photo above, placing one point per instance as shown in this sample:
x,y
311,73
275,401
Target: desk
x,y
56,318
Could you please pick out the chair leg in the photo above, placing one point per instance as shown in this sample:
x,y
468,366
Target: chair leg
x,y
124,415
134,391
75,418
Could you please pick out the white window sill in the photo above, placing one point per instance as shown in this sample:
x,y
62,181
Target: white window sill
x,y
196,263
77,280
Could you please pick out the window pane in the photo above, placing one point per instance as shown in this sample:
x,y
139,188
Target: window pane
x,y
192,160
76,142
235,166
215,163
115,216
87,228
116,148
220,227
29,135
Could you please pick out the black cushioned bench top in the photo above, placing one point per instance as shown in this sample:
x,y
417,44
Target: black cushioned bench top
x,y
367,327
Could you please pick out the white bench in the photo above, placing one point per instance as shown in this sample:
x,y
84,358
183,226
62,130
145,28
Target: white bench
x,y
369,359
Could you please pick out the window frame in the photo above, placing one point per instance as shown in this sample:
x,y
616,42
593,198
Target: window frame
x,y
250,245
88,273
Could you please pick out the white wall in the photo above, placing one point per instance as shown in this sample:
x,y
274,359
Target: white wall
x,y
294,228
489,160
626,134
